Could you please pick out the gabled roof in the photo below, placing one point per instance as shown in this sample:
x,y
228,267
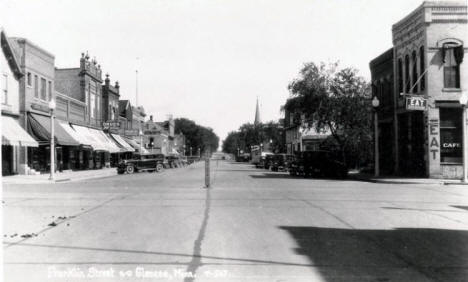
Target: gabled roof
x,y
10,55
124,107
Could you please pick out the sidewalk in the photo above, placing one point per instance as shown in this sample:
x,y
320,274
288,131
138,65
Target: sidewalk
x,y
67,176
403,180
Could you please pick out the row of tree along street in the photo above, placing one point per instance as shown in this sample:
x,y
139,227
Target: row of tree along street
x,y
324,98
198,139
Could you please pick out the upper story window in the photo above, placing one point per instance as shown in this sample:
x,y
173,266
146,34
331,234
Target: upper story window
x,y
50,90
36,86
422,69
400,76
452,56
43,89
5,89
29,79
407,74
414,59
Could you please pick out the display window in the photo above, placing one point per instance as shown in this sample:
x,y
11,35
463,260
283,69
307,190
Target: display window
x,y
451,135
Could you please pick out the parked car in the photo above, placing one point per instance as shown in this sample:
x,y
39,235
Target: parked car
x,y
268,161
317,163
141,162
281,162
262,160
173,161
245,157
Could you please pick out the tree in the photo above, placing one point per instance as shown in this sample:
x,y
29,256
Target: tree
x,y
196,136
250,134
338,100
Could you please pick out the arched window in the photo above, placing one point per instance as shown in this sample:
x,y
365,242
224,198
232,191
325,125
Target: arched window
x,y
407,74
414,59
452,56
422,69
400,76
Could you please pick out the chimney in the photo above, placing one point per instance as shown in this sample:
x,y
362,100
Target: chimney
x,y
107,80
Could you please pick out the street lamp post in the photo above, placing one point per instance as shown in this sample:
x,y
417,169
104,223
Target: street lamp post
x,y
463,102
375,105
52,140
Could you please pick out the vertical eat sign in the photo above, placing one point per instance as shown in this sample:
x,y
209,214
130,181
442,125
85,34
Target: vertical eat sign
x,y
434,146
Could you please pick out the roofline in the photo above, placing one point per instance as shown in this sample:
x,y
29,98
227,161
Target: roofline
x,y
17,69
426,4
27,41
381,57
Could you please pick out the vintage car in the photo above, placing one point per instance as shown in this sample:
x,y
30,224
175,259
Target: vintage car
x,y
174,161
317,163
262,160
281,162
142,162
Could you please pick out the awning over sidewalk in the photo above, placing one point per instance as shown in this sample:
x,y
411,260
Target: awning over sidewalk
x,y
14,135
40,128
105,141
125,146
90,137
84,142
136,146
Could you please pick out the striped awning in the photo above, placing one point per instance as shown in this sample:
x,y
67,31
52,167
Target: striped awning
x,y
39,126
14,135
125,146
90,137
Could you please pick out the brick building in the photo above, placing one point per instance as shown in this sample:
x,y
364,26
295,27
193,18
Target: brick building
x,y
428,51
14,137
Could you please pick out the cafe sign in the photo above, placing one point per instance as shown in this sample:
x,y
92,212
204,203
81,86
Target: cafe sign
x,y
111,125
415,103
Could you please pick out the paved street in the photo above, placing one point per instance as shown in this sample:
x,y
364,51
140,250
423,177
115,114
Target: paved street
x,y
252,225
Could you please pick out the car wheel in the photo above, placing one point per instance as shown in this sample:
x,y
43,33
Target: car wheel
x,y
130,169
159,167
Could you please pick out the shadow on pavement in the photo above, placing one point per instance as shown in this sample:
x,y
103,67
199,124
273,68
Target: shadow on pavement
x,y
286,175
461,207
384,255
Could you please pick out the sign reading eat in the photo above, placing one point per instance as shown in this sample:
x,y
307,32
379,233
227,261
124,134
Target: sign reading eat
x,y
416,103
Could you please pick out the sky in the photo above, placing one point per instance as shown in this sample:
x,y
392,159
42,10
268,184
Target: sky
x,y
208,60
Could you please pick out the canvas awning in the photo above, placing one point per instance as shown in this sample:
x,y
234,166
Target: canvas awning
x,y
90,137
125,146
80,138
14,135
136,145
40,128
106,141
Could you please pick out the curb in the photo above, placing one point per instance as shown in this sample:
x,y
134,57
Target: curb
x,y
383,181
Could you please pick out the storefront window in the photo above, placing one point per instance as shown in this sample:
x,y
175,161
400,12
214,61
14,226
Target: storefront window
x,y
451,135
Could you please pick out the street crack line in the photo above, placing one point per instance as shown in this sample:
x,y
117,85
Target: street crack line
x,y
120,197
196,261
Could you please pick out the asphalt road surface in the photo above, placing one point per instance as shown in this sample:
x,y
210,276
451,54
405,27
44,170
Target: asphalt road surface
x,y
251,225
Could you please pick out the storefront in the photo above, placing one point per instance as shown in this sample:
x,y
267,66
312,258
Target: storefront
x,y
13,137
126,150
39,158
451,142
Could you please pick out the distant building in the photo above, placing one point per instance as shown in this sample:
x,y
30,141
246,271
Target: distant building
x,y
83,84
298,137
428,51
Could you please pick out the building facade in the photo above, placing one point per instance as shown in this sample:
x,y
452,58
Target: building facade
x,y
428,51
14,137
299,137
36,90
382,81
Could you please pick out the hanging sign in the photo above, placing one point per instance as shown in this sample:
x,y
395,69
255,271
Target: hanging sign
x,y
415,103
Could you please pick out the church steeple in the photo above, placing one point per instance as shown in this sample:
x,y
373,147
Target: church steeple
x,y
257,114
